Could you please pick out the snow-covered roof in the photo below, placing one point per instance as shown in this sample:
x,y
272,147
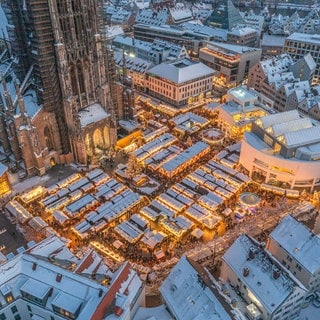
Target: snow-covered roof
x,y
150,17
302,137
277,64
180,14
300,243
113,31
294,125
188,154
60,216
36,276
305,38
197,28
270,291
189,122
181,71
231,48
272,119
272,40
242,31
92,114
152,313
310,61
30,101
35,288
189,296
67,302
129,125
132,63
44,274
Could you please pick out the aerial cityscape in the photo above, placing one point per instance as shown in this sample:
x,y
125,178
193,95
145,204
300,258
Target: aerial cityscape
x,y
159,160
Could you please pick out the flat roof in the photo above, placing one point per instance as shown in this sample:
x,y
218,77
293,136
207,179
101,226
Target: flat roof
x,y
304,37
233,47
35,288
67,302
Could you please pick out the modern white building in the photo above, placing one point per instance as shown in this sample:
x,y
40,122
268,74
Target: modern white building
x,y
189,294
283,148
297,248
236,115
47,281
268,289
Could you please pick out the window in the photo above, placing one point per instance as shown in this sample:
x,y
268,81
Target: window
x,y
3,316
14,309
17,317
29,308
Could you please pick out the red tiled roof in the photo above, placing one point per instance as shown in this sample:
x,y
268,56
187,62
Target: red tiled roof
x,y
111,293
86,262
117,311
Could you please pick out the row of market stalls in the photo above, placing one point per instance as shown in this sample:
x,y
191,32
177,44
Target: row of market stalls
x,y
24,217
96,199
163,156
193,205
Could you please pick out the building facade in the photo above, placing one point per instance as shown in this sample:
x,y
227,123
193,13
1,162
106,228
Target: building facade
x,y
47,281
283,148
180,82
299,44
282,81
232,62
236,115
268,289
296,247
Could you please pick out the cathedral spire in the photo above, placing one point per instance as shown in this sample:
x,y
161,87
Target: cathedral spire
x,y
20,101
7,96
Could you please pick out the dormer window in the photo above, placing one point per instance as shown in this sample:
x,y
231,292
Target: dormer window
x,y
7,293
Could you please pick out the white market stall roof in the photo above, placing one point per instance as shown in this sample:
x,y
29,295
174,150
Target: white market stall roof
x,y
18,211
197,233
60,217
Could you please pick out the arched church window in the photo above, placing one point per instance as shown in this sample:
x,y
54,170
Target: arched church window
x,y
97,138
87,141
48,138
106,135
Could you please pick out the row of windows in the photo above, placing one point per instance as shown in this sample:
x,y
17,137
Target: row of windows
x,y
184,88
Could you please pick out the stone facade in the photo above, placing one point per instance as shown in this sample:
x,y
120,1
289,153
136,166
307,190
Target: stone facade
x,y
78,78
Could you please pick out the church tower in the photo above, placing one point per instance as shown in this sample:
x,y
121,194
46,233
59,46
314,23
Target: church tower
x,y
85,90
70,74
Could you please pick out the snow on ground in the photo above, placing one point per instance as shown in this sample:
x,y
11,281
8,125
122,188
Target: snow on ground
x,y
30,183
